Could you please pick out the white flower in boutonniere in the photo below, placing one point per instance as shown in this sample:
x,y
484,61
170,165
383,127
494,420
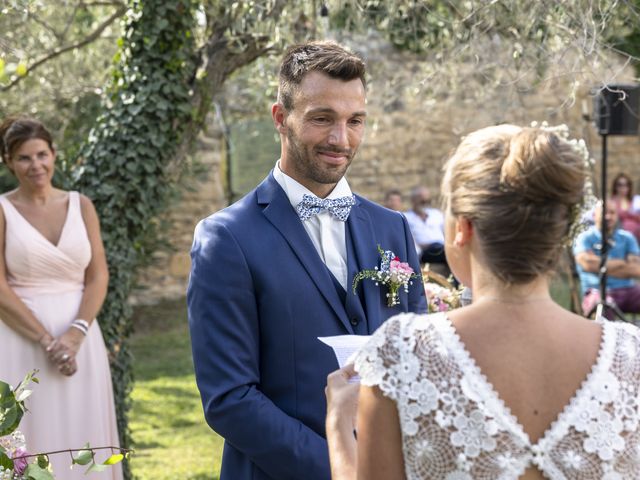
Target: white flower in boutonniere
x,y
392,272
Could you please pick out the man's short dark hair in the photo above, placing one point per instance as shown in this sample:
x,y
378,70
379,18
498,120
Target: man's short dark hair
x,y
324,56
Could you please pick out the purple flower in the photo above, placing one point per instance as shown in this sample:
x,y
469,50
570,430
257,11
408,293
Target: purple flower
x,y
20,462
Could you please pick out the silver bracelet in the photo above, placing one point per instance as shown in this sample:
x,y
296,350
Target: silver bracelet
x,y
81,325
78,327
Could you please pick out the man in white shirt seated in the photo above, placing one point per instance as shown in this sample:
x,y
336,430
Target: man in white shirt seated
x,y
427,227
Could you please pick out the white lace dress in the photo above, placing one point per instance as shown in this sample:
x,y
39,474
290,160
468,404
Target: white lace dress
x,y
455,427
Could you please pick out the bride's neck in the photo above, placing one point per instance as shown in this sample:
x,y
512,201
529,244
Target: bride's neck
x,y
487,287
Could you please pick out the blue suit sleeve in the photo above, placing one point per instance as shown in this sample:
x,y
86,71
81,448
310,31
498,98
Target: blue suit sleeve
x,y
224,325
417,299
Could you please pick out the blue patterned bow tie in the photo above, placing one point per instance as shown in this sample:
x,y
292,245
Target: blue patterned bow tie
x,y
338,207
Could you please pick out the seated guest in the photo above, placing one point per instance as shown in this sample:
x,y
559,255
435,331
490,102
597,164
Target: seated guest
x,y
622,198
623,263
393,200
427,227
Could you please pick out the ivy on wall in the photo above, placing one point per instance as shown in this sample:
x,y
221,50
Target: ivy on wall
x,y
126,162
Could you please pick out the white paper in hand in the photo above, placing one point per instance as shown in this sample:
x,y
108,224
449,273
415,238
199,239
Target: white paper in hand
x,y
345,347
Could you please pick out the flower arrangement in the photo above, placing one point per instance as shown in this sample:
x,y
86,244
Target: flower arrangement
x,y
442,295
15,461
392,272
441,299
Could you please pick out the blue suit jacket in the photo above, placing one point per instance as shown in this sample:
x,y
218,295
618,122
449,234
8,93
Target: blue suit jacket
x,y
259,297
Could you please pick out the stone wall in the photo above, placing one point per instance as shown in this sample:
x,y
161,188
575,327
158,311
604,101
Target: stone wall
x,y
408,138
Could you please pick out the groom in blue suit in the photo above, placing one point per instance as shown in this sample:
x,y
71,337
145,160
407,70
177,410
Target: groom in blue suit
x,y
273,272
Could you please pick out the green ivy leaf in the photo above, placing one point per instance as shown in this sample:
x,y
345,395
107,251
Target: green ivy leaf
x,y
43,461
83,457
5,461
6,394
10,419
36,472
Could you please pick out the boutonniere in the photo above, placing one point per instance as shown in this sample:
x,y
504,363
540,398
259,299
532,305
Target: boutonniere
x,y
392,272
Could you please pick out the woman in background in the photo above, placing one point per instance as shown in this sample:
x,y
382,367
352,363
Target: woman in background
x,y
53,281
622,198
512,386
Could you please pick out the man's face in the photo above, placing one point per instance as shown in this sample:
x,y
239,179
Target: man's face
x,y
611,217
394,202
322,132
422,199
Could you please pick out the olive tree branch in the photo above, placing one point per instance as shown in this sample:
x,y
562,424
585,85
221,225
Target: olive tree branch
x,y
88,39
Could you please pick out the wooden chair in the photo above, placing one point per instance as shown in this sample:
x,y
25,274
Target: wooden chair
x,y
431,276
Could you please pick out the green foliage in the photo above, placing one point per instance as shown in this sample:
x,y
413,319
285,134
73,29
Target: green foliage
x,y
12,410
61,90
626,36
12,404
87,456
7,180
125,165
5,461
83,457
413,26
35,471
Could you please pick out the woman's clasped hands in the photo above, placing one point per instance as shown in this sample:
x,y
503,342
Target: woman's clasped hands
x,y
62,351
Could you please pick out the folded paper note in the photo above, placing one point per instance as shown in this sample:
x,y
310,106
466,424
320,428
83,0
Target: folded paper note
x,y
345,347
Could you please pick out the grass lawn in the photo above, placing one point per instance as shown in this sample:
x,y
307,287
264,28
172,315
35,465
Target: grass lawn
x,y
172,439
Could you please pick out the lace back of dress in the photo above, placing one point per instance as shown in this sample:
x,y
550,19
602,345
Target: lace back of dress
x,y
454,426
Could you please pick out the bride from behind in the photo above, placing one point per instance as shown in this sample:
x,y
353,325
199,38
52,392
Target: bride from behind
x,y
513,386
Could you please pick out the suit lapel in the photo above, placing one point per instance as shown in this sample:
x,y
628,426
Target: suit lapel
x,y
284,217
365,247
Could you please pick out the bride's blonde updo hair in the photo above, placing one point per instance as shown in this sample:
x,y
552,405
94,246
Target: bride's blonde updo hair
x,y
519,188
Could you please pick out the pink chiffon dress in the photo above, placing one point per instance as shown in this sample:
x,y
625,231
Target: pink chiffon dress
x,y
64,412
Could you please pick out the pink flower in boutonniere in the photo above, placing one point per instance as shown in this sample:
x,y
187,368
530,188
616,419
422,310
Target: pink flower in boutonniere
x,y
392,272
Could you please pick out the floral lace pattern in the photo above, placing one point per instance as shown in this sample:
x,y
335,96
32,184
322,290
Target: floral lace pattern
x,y
455,426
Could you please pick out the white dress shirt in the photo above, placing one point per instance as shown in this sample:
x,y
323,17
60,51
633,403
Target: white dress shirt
x,y
326,232
427,231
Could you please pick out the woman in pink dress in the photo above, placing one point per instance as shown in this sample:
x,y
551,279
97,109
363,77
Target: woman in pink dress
x,y
53,281
622,197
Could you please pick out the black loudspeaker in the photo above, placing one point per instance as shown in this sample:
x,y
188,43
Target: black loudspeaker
x,y
616,109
